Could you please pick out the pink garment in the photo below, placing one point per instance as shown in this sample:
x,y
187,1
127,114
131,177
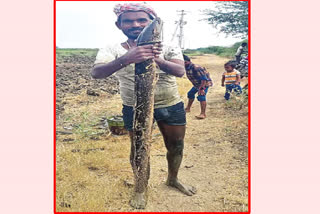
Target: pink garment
x,y
121,8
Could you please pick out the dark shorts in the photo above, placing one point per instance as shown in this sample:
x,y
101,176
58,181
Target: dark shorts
x,y
194,90
173,115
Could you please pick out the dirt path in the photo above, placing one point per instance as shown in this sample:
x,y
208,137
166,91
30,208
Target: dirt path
x,y
215,159
215,162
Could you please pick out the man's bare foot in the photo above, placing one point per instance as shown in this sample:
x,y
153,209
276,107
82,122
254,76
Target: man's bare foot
x,y
188,190
138,200
201,116
187,110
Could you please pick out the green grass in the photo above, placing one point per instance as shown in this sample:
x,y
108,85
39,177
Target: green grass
x,y
218,50
68,52
227,52
237,102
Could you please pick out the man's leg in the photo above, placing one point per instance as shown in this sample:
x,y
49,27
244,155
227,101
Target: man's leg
x,y
203,105
190,101
238,59
191,96
173,137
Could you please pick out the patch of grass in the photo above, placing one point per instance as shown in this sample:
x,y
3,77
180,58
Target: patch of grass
x,y
218,50
76,51
69,52
237,102
193,52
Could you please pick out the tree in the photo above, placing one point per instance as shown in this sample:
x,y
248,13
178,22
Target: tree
x,y
229,17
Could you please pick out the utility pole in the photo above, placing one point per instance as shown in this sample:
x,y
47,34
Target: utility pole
x,y
180,24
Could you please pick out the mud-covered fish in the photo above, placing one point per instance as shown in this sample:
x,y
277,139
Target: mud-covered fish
x,y
145,81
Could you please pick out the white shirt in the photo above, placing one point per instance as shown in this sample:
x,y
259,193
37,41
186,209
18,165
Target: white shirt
x,y
166,91
239,51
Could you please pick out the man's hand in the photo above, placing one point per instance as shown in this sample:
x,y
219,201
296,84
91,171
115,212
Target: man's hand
x,y
222,84
142,53
157,49
201,92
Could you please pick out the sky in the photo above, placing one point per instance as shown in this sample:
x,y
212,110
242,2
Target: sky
x,y
90,24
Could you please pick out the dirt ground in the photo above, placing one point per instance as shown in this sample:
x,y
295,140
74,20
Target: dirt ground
x,y
92,165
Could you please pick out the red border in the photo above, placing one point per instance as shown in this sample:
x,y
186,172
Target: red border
x,y
249,115
54,106
249,107
153,0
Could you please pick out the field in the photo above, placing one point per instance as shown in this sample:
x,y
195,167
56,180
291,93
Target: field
x,y
93,172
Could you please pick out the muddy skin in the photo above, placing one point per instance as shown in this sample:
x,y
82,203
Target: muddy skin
x,y
174,158
173,137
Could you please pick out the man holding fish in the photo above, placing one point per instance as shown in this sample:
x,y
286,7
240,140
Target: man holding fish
x,y
167,63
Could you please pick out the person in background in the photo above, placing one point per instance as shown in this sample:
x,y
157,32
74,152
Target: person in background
x,y
201,81
231,79
240,51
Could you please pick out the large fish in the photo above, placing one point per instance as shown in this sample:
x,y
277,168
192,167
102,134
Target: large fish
x,y
145,81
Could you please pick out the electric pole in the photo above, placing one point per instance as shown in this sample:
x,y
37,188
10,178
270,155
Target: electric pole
x,y
180,25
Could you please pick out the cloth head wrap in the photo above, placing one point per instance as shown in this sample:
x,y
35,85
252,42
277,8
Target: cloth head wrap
x,y
122,8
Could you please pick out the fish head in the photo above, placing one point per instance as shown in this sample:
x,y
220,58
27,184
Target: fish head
x,y
151,33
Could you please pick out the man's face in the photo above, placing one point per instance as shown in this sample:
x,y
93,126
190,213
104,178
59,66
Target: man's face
x,y
186,63
132,23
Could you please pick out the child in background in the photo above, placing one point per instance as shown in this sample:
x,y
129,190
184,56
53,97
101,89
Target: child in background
x,y
231,78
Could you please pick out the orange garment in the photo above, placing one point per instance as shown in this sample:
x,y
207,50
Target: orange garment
x,y
231,77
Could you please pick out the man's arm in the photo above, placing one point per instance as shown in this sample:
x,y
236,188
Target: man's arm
x,y
134,55
202,87
100,71
173,66
203,84
202,75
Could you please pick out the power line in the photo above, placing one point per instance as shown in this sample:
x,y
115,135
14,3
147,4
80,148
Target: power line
x,y
180,25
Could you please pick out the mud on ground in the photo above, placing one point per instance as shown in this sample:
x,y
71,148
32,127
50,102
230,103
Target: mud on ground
x,y
73,76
